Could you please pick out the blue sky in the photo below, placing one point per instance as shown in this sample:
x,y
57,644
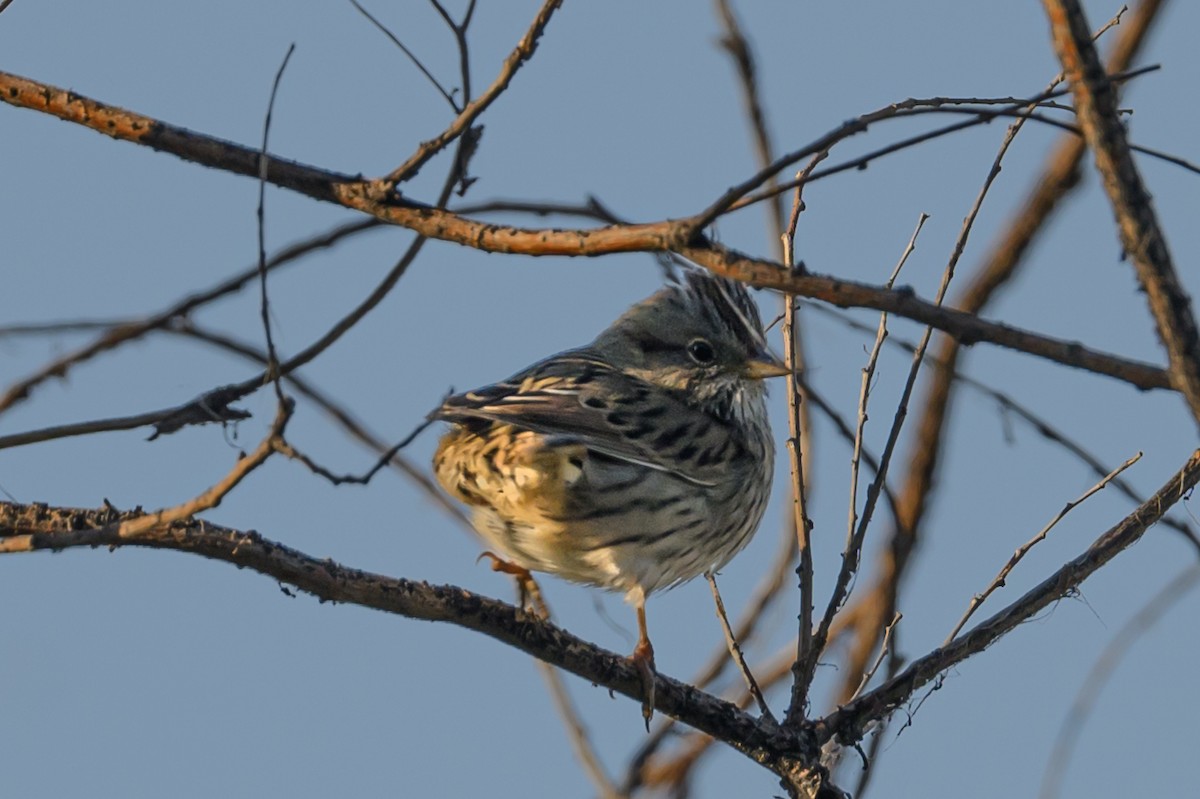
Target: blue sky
x,y
149,673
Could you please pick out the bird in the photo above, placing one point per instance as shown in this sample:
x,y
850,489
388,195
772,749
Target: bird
x,y
634,463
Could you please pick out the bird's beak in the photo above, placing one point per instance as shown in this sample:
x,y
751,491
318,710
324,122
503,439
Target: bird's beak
x,y
765,365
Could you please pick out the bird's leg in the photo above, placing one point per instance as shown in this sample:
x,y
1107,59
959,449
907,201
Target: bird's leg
x,y
528,593
643,659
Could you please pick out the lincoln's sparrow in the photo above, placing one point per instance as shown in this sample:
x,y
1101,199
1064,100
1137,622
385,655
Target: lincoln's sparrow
x,y
634,463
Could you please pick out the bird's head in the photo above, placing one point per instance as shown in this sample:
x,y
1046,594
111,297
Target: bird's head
x,y
702,336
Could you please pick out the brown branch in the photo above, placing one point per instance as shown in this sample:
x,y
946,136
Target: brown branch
x,y
849,723
1141,236
435,222
30,528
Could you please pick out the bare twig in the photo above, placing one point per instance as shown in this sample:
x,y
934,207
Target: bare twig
x,y
272,372
1000,578
132,529
843,429
798,446
735,651
1006,404
849,723
471,111
60,328
884,651
340,415
459,29
215,405
362,479
856,534
868,375
740,196
411,57
212,407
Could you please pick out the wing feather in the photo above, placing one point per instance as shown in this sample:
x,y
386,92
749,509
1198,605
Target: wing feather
x,y
582,398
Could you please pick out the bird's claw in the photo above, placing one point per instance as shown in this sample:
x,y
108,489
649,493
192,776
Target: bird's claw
x,y
529,594
643,660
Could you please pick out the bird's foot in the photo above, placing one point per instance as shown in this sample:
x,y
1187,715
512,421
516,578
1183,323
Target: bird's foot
x,y
643,660
528,592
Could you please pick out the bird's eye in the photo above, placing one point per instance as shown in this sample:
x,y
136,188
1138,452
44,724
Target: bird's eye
x,y
701,351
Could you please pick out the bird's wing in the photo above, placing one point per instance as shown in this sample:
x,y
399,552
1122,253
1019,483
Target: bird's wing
x,y
584,399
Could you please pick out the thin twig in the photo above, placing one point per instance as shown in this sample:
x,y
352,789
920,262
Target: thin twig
x,y
739,196
798,446
856,533
848,724
60,328
843,429
361,479
411,57
735,651
999,581
868,375
340,415
1006,403
212,407
471,111
272,372
875,747
460,36
884,650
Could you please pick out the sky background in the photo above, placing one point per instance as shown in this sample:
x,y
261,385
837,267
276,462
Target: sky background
x,y
145,674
